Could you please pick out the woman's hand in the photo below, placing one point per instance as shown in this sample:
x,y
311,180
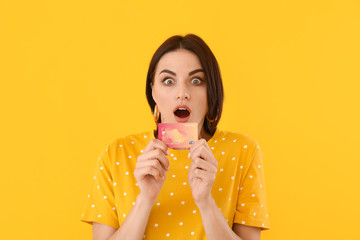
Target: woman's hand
x,y
151,168
202,172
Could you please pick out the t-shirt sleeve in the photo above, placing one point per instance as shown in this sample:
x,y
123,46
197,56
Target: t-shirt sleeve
x,y
100,204
251,208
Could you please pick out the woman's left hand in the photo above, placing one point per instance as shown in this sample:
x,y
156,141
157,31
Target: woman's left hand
x,y
202,172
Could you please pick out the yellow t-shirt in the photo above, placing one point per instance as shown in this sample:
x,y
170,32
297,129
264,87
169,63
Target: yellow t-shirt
x,y
238,190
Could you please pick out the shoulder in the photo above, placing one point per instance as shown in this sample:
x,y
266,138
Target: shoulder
x,y
236,138
128,145
136,140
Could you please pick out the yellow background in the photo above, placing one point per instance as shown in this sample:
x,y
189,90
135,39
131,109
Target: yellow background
x,y
73,79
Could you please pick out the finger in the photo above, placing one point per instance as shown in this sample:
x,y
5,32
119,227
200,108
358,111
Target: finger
x,y
197,144
204,153
204,165
153,163
206,177
200,144
155,154
200,152
141,173
157,144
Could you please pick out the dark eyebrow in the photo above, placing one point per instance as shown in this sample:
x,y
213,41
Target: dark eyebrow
x,y
195,71
190,73
168,71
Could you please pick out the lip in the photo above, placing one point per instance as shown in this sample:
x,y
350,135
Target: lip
x,y
182,120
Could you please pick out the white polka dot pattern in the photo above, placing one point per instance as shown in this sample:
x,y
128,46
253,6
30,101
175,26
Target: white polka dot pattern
x,y
239,183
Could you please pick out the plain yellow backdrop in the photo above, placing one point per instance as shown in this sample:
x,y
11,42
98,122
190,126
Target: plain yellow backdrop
x,y
73,79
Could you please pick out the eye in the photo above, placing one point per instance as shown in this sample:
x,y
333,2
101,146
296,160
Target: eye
x,y
196,81
168,81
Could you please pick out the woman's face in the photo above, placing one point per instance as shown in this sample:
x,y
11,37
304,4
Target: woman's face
x,y
179,83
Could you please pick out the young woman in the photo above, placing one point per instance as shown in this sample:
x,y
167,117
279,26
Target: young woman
x,y
214,190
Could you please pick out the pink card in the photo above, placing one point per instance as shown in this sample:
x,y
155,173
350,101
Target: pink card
x,y
178,135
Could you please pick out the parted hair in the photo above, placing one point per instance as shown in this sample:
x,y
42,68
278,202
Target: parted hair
x,y
215,91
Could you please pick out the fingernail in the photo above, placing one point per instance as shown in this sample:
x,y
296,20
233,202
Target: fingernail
x,y
168,168
163,178
167,151
189,155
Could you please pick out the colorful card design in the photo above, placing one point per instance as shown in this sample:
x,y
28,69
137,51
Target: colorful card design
x,y
178,135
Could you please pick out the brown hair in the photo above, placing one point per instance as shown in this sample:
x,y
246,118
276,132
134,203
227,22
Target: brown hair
x,y
215,92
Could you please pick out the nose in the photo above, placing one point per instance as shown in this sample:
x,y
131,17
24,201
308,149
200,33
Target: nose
x,y
183,92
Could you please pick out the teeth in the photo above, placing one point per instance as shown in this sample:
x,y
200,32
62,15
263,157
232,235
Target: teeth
x,y
182,109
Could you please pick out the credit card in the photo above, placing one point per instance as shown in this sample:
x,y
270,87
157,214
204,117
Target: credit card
x,y
178,135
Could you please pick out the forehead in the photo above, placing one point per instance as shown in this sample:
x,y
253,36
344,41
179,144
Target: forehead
x,y
179,60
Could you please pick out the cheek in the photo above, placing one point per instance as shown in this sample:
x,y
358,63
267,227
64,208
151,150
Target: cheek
x,y
201,99
162,100
159,94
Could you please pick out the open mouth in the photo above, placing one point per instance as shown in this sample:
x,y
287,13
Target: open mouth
x,y
182,113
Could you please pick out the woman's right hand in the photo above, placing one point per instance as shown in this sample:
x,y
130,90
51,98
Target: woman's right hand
x,y
151,168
